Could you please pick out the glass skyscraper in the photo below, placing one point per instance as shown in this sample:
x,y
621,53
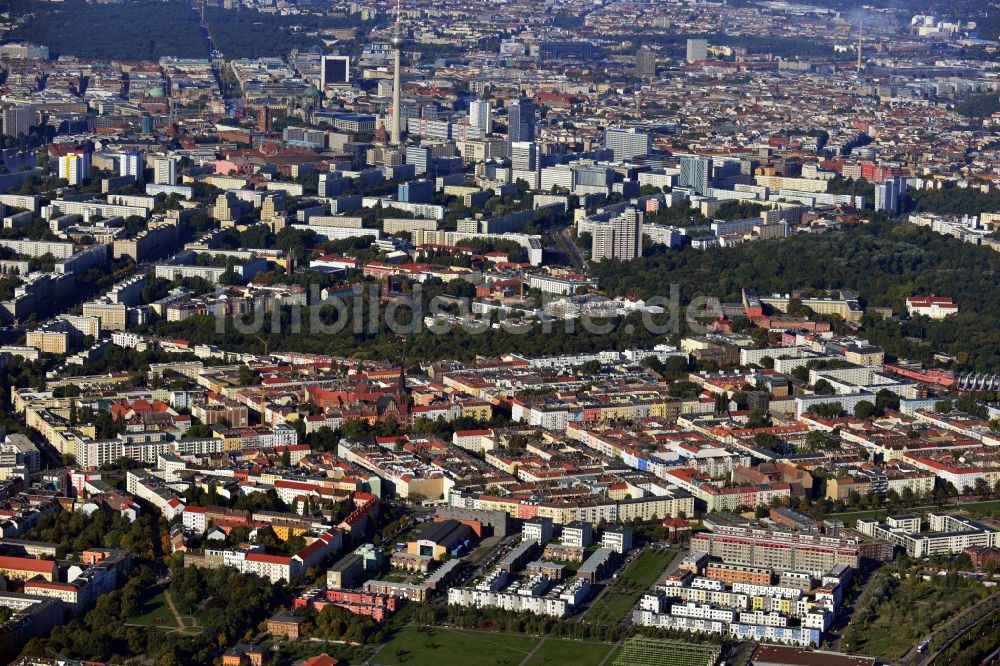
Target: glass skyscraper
x,y
521,121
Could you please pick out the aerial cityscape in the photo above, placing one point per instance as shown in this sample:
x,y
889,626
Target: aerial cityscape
x,y
503,333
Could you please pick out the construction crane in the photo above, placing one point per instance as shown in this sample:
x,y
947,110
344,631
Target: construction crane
x,y
263,341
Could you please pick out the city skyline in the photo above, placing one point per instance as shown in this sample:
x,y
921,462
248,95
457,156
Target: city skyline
x,y
418,334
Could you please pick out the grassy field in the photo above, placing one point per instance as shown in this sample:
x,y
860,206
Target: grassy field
x,y
985,508
852,517
558,652
155,612
420,646
989,508
623,594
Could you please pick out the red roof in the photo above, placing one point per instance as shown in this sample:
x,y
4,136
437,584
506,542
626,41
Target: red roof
x,y
295,485
46,585
270,559
676,522
927,301
321,660
311,549
27,564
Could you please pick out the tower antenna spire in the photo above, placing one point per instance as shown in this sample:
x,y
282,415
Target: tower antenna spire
x,y
861,23
395,131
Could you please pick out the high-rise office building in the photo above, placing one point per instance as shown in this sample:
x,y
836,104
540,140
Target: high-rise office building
x,y
420,157
17,120
165,171
524,156
696,173
645,62
525,165
565,50
594,176
430,111
331,184
697,49
619,238
335,70
521,121
889,195
74,167
627,143
130,164
481,115
146,124
435,130
416,191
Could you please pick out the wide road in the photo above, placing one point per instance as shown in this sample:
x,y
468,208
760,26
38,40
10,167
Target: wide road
x,y
565,242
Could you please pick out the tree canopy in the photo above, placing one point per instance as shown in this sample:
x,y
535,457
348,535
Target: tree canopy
x,y
884,262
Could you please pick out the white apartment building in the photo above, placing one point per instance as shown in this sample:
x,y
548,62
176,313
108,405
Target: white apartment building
x,y
165,170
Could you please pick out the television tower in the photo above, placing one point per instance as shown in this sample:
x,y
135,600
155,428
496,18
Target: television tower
x,y
397,44
860,34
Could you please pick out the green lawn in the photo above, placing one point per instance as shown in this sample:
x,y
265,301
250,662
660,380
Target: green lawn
x,y
155,613
623,594
558,652
851,518
988,508
438,646
647,567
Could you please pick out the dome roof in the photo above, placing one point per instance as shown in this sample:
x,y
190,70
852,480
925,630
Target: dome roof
x,y
155,92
